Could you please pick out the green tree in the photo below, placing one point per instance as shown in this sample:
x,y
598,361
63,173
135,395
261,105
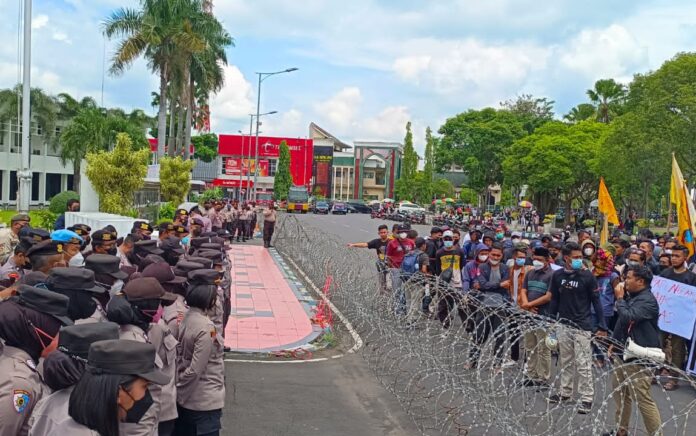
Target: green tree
x,y
534,111
44,113
608,96
479,140
429,158
556,163
443,188
205,146
116,175
581,112
175,178
409,164
283,179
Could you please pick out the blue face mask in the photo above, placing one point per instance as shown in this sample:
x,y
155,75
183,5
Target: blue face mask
x,y
499,236
448,244
520,261
185,241
576,264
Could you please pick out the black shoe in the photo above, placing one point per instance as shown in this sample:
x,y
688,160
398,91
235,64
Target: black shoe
x,y
585,407
530,383
559,399
226,349
270,246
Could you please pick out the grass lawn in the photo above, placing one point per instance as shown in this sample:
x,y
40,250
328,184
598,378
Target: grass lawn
x,y
6,216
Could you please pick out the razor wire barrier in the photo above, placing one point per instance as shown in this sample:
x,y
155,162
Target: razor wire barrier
x,y
461,380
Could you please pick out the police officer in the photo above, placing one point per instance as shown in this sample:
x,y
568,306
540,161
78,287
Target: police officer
x,y
72,242
201,373
9,237
46,255
62,369
79,286
16,264
138,312
29,323
103,242
174,313
120,369
108,275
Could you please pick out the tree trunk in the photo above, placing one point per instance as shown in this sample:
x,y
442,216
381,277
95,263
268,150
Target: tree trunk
x,y
76,176
189,122
171,142
162,114
180,128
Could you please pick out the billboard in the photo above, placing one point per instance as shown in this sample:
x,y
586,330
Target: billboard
x,y
301,154
322,170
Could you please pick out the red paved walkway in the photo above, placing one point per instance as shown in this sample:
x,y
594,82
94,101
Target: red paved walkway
x,y
266,315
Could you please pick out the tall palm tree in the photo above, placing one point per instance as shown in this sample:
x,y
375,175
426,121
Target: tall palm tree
x,y
157,32
69,106
607,96
581,112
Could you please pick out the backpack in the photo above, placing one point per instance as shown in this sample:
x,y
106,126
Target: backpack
x,y
409,265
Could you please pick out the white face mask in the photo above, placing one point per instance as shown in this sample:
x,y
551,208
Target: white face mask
x,y
77,260
494,262
483,257
537,264
403,235
588,251
515,241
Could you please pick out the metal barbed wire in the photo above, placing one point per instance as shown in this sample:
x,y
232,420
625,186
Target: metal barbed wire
x,y
430,370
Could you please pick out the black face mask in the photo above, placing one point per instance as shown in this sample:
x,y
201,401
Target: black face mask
x,y
112,251
81,305
140,408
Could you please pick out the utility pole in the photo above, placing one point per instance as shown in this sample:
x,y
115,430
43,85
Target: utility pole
x,y
24,174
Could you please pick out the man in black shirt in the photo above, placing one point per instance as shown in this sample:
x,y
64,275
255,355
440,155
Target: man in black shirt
x,y
679,273
380,247
573,292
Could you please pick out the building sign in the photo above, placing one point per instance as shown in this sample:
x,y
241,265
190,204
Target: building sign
x,y
301,154
233,166
232,183
322,170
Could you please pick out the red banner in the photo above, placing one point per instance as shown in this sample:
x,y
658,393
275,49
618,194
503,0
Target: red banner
x,y
263,168
232,183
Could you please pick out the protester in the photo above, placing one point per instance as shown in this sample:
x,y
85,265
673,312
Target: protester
x,y
269,220
573,292
448,268
636,319
396,250
73,205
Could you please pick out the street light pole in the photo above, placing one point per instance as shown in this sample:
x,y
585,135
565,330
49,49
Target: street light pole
x,y
262,77
247,194
24,174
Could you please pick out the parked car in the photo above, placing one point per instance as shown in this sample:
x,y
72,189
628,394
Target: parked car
x,y
360,208
321,207
339,208
409,208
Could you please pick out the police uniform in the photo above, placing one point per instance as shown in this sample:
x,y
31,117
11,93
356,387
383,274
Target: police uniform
x,y
50,417
158,334
20,385
8,238
217,313
201,372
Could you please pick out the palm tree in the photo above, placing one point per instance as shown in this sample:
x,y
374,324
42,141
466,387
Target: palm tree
x,y
69,107
85,133
157,32
44,112
580,112
607,96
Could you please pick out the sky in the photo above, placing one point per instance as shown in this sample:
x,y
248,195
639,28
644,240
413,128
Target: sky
x,y
366,67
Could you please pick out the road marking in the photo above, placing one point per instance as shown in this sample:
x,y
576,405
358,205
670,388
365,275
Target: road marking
x,y
346,226
363,230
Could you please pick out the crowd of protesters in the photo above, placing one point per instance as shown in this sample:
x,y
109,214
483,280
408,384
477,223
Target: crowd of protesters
x,y
599,294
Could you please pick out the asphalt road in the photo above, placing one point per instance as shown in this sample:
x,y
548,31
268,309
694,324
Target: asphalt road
x,y
336,397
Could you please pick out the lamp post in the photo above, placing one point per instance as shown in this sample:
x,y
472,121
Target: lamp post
x,y
24,175
262,77
251,124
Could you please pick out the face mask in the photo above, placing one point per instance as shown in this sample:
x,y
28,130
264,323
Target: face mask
x,y
499,236
483,257
576,264
663,267
185,240
140,408
632,263
537,264
158,315
494,262
448,244
403,235
77,260
588,251
515,241
112,251
520,261
668,251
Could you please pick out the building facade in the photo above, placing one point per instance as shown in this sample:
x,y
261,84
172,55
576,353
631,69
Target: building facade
x,y
377,166
49,176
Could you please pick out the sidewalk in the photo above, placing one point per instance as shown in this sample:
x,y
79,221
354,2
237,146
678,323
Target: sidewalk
x,y
266,313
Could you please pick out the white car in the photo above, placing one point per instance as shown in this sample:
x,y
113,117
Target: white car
x,y
410,208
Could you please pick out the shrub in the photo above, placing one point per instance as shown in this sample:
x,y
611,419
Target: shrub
x,y
167,211
211,194
44,218
59,202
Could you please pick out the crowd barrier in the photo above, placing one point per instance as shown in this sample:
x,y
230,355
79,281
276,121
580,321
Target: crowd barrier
x,y
431,373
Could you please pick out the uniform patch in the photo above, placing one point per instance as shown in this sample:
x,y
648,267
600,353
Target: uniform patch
x,y
20,400
213,333
31,364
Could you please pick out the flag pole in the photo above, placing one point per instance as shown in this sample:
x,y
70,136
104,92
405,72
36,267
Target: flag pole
x,y
669,214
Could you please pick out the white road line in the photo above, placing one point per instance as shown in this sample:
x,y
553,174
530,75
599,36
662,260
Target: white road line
x,y
346,226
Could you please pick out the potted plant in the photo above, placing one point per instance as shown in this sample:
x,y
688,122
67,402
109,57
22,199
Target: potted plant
x,y
549,221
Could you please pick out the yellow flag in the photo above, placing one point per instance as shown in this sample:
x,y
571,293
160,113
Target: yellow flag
x,y
676,183
606,205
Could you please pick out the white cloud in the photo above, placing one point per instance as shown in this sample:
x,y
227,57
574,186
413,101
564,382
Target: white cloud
x,y
289,123
234,101
62,37
340,110
610,52
39,21
389,124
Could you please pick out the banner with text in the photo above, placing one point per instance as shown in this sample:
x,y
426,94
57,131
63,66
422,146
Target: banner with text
x,y
677,306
